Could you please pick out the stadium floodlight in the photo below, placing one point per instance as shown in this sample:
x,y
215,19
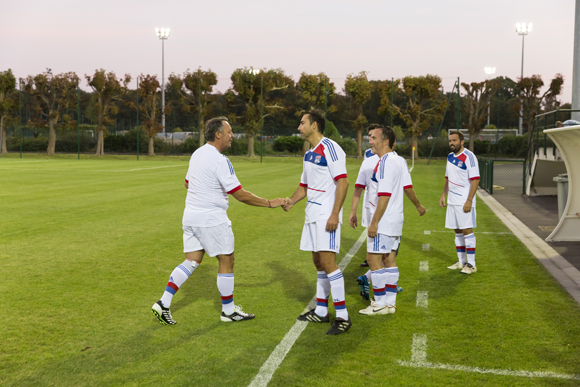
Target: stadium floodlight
x,y
163,34
522,29
489,71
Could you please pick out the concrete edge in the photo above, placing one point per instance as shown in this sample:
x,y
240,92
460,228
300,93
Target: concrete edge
x,y
564,272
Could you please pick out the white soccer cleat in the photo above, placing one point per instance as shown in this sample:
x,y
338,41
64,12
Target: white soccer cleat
x,y
238,315
457,265
468,269
375,309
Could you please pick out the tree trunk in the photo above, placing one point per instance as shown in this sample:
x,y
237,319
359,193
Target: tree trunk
x,y
151,146
414,146
250,146
359,143
201,133
51,137
3,145
305,147
100,143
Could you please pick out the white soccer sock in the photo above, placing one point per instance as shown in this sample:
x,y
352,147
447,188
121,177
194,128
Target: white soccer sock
x,y
470,248
369,276
179,275
460,247
379,280
391,285
322,292
337,290
225,284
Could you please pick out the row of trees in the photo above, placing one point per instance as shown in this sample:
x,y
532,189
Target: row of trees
x,y
414,102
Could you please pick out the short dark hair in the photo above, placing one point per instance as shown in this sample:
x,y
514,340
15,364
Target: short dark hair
x,y
458,133
388,134
318,117
214,125
374,126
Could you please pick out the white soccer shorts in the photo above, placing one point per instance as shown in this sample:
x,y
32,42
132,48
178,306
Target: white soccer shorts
x,y
315,238
457,219
216,240
382,244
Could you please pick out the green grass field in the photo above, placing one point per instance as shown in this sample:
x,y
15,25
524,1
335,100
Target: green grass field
x,y
87,246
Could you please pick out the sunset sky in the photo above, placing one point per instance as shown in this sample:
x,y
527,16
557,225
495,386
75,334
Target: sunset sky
x,y
449,38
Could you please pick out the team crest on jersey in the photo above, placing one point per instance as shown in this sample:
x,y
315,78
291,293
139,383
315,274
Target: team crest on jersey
x,y
460,164
317,159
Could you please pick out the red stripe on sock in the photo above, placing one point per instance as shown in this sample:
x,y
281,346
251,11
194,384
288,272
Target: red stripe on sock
x,y
173,286
325,300
227,297
470,249
339,303
390,286
459,247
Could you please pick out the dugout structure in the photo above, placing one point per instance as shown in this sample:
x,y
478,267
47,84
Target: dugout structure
x,y
567,139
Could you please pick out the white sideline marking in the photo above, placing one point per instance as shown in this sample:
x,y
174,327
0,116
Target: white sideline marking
x,y
279,353
422,299
424,266
427,232
426,247
419,360
476,232
143,169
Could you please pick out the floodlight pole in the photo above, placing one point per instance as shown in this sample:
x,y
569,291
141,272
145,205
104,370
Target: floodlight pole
x,y
138,130
392,96
325,98
489,71
78,125
522,29
576,63
20,112
261,117
162,34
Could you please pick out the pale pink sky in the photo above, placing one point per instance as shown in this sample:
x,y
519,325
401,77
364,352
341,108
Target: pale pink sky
x,y
387,38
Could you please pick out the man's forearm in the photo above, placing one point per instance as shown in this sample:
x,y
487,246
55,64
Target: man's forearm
x,y
356,198
410,192
381,208
341,189
473,189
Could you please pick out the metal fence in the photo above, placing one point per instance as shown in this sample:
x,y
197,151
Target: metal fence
x,y
502,176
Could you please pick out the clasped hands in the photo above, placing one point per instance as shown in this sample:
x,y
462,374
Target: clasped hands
x,y
285,203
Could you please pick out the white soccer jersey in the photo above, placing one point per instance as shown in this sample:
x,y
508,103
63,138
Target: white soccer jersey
x,y
393,179
460,171
364,181
211,178
323,166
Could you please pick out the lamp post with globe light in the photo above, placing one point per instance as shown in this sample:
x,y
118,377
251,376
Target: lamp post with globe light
x,y
163,34
489,71
522,29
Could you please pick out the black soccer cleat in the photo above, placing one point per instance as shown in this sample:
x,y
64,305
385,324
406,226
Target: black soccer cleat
x,y
163,314
339,326
311,316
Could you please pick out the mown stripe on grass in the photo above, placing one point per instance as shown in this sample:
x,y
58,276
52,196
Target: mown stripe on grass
x,y
279,353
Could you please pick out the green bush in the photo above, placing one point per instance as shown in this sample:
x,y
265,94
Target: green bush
x,y
331,132
188,146
290,144
349,146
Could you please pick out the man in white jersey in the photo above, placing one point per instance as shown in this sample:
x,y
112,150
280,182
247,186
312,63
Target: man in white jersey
x,y
206,227
365,181
393,181
324,184
461,181
361,182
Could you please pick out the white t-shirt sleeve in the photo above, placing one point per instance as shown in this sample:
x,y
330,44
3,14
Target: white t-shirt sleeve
x,y
472,168
303,180
407,182
227,176
336,160
361,179
385,181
